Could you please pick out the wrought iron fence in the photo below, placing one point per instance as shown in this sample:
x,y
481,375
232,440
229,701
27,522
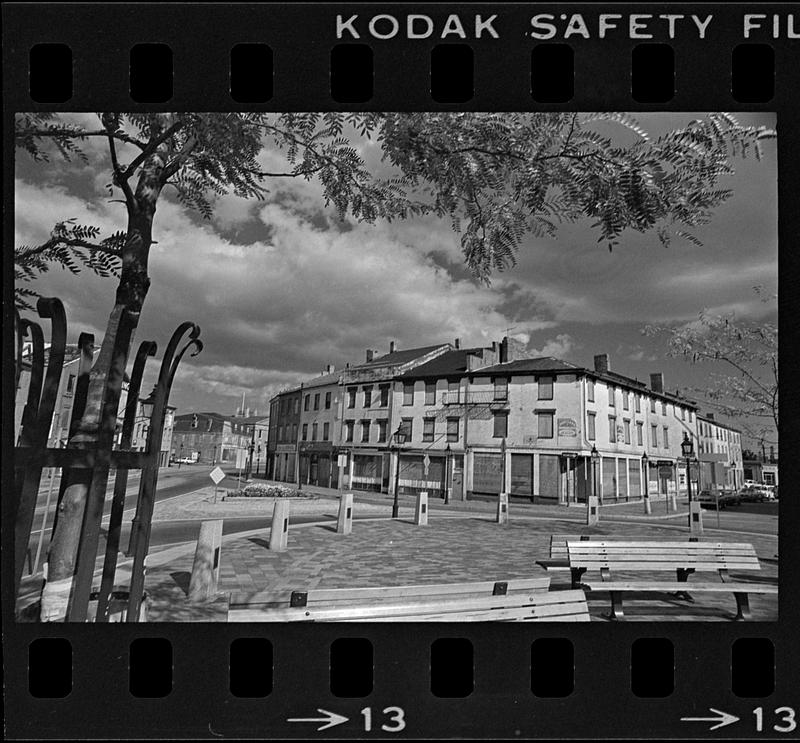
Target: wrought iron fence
x,y
99,460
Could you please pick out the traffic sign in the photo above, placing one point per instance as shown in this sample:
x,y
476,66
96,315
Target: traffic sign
x,y
217,475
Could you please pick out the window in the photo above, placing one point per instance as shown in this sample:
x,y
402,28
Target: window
x,y
351,397
590,390
430,393
348,430
625,404
612,429
452,391
326,431
683,414
306,402
296,405
408,393
365,431
382,425
500,424
627,426
314,432
691,416
71,383
367,397
384,388
654,436
590,427
545,425
452,429
501,389
637,402
407,427
639,434
652,405
327,401
428,428
305,431
611,395
545,388
316,401
663,408
666,437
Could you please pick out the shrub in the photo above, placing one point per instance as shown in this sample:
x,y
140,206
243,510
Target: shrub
x,y
260,490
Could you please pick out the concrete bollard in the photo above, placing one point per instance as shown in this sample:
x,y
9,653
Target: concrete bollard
x,y
592,511
502,508
279,532
205,569
673,502
421,511
345,523
695,518
647,507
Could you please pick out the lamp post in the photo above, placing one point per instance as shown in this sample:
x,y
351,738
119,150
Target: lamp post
x,y
398,438
258,460
447,451
180,458
687,449
646,474
595,462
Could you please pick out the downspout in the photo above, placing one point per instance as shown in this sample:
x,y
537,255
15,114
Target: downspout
x,y
584,439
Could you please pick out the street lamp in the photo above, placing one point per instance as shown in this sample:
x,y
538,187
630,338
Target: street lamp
x,y
595,462
180,458
258,460
447,451
687,449
646,474
398,438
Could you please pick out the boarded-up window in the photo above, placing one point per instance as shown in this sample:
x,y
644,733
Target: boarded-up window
x,y
408,393
590,390
549,476
609,477
500,424
487,473
430,393
634,478
590,430
622,478
545,425
428,428
501,389
545,388
522,474
452,391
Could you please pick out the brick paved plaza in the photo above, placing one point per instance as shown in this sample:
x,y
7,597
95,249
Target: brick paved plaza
x,y
453,548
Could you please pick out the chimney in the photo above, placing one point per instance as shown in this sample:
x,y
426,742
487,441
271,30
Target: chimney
x,y
458,343
391,346
472,361
710,416
601,365
657,382
504,350
370,354
329,369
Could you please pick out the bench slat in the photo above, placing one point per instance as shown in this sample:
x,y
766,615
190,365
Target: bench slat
x,y
638,566
665,586
400,609
323,595
665,545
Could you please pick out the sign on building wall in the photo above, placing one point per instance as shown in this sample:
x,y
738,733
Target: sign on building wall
x,y
567,428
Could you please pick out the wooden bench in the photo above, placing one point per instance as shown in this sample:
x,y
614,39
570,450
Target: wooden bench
x,y
682,557
520,600
559,559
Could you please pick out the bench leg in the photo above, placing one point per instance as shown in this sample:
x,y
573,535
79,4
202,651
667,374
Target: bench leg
x,y
683,576
616,606
742,607
576,574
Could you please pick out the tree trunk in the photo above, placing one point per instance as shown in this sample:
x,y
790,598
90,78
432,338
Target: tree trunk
x,y
130,296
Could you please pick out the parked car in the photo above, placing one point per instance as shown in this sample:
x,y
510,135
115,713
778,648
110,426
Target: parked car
x,y
726,498
756,494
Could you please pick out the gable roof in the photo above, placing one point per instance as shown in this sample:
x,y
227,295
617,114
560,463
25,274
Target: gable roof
x,y
528,366
323,380
397,358
449,363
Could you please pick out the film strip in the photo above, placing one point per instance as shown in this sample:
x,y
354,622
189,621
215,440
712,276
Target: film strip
x,y
642,679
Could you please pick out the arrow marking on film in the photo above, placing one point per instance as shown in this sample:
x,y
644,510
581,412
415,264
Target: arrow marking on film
x,y
723,718
330,719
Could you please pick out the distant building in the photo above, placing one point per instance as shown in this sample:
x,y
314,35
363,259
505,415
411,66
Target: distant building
x,y
284,424
214,438
719,453
320,422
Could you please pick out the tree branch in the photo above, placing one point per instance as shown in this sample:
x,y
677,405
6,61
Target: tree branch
x,y
72,242
152,146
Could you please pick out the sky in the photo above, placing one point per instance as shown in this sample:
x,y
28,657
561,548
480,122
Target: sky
x,y
281,288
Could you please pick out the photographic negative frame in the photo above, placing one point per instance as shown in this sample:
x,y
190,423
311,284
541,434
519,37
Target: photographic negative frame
x,y
641,679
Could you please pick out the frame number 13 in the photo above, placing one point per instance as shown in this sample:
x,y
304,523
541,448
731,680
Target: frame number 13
x,y
395,719
786,719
